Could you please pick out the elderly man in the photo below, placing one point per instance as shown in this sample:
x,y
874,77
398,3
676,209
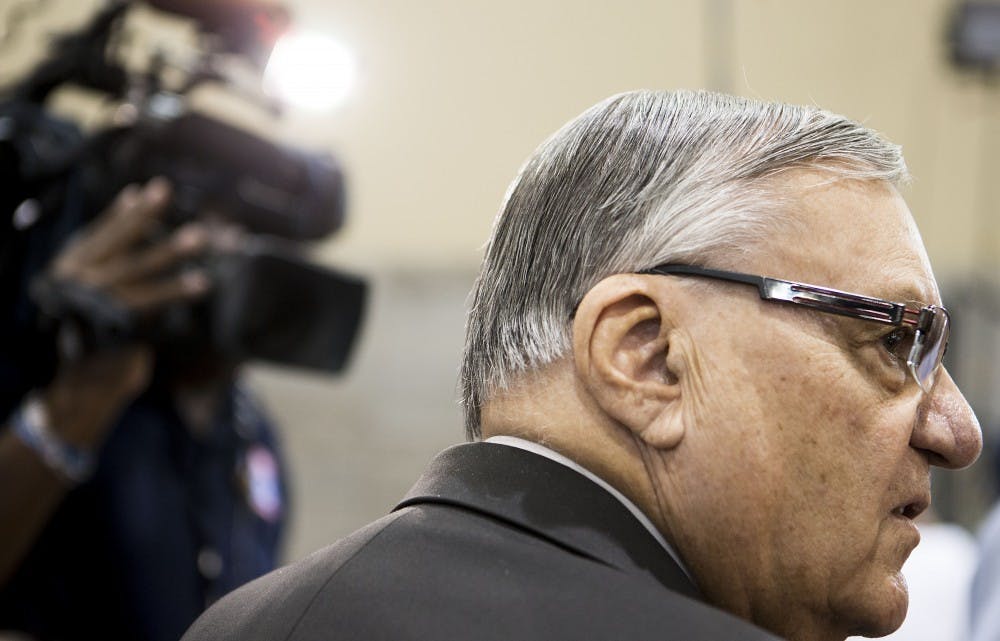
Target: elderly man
x,y
704,352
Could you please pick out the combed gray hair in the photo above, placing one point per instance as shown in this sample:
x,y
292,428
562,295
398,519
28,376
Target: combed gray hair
x,y
641,179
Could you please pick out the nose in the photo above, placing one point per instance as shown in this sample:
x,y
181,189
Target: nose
x,y
946,427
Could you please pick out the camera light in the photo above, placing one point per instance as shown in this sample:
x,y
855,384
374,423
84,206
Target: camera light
x,y
311,71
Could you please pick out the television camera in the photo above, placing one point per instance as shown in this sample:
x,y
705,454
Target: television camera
x,y
268,301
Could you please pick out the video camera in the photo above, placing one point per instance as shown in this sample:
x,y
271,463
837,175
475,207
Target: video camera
x,y
268,302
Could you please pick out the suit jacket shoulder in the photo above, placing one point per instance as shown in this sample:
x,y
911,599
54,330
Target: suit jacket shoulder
x,y
491,543
272,606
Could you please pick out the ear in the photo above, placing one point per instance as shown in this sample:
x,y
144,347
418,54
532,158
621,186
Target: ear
x,y
621,339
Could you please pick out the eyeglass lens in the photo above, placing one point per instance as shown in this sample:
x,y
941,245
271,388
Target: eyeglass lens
x,y
932,349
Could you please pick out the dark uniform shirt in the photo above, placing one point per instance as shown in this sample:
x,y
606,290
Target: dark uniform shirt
x,y
169,523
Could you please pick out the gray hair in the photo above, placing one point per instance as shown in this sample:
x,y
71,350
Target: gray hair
x,y
640,179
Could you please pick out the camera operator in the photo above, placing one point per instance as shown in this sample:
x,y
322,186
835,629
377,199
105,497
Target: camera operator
x,y
138,482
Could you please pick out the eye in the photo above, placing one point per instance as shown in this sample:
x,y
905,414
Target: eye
x,y
898,343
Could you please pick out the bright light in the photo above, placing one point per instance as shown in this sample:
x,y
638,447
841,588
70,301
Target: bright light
x,y
310,71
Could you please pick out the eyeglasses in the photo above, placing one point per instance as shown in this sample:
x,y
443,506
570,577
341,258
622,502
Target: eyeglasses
x,y
922,345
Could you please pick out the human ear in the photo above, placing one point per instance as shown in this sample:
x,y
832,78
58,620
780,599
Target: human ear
x,y
621,339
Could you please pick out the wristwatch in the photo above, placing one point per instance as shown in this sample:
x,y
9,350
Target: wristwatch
x,y
31,424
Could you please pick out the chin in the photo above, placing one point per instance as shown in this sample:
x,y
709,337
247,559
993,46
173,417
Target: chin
x,y
880,610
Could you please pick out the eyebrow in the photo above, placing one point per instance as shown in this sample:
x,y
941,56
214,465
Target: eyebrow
x,y
910,292
905,281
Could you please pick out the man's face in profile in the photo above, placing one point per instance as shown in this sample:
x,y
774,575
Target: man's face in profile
x,y
813,441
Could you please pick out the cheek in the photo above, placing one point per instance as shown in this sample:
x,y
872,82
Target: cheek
x,y
806,455
754,411
840,474
835,450
802,435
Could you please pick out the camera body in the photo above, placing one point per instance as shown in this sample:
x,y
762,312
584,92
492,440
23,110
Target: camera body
x,y
214,167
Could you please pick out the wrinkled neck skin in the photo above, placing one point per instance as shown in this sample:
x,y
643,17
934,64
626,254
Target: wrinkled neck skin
x,y
551,407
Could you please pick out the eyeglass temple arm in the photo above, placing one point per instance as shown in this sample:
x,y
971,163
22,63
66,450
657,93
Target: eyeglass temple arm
x,y
828,300
690,270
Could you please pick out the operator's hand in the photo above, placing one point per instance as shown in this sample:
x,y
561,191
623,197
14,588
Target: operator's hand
x,y
115,256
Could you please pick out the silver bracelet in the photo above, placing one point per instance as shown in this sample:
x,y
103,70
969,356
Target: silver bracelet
x,y
31,425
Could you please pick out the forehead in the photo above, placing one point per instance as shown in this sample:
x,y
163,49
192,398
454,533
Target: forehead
x,y
853,235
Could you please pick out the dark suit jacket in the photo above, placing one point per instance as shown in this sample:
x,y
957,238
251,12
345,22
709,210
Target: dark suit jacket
x,y
493,542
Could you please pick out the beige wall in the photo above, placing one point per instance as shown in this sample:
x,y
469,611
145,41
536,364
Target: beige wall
x,y
454,95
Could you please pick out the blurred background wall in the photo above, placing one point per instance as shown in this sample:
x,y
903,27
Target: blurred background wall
x,y
450,99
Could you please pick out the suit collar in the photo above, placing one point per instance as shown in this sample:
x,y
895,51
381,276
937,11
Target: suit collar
x,y
540,449
550,500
